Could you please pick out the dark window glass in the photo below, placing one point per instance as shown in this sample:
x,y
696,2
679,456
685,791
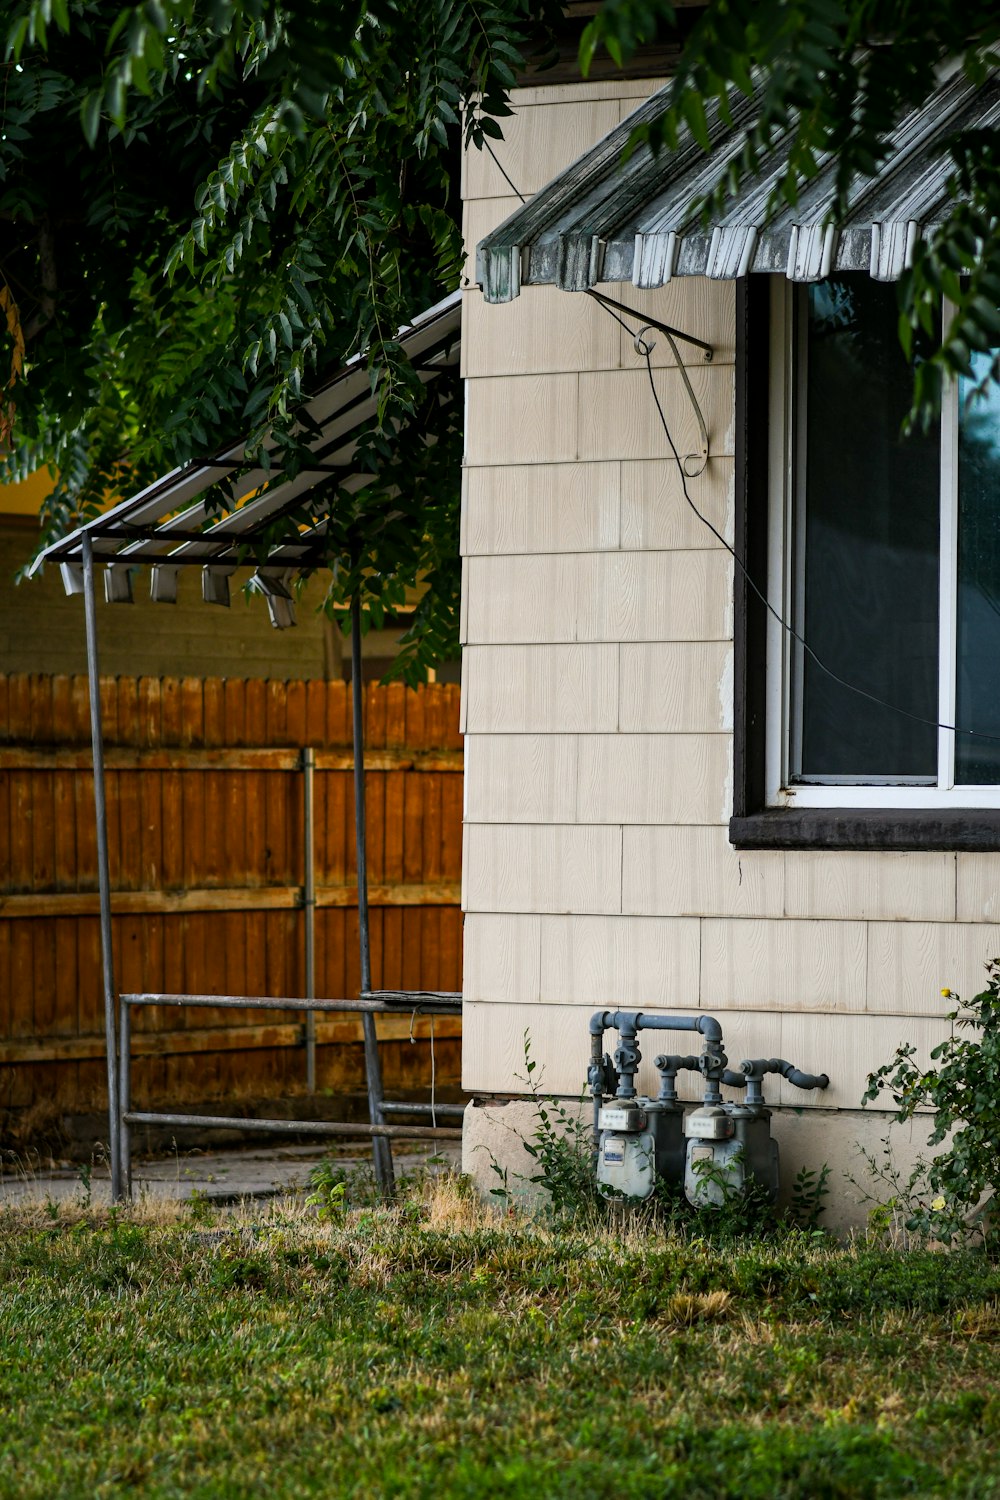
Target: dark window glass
x,y
869,602
977,761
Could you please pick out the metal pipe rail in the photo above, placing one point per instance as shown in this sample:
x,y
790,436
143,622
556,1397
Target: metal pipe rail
x,y
399,1107
295,1127
369,1005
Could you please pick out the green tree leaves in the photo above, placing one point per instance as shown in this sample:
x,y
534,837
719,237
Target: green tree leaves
x,y
837,77
256,191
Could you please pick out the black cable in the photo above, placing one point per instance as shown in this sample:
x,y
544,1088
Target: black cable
x,y
503,174
851,687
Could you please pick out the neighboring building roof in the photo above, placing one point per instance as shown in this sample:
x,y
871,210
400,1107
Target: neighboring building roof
x,y
168,525
607,220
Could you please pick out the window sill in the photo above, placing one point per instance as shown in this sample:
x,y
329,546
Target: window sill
x,y
967,830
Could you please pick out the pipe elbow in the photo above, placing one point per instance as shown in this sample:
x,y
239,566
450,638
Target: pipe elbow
x,y
710,1028
800,1080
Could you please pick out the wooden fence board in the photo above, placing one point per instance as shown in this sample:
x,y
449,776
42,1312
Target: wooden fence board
x,y
205,831
19,707
5,981
79,710
129,728
6,874
295,714
149,710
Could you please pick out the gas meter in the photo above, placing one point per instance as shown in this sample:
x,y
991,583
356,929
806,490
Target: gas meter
x,y
716,1149
626,1153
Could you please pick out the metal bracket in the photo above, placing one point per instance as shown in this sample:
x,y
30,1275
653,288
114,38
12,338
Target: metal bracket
x,y
671,333
645,348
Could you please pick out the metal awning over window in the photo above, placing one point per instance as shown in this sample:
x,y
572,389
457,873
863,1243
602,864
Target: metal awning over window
x,y
605,220
173,523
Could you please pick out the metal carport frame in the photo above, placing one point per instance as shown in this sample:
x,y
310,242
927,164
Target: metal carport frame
x,y
169,525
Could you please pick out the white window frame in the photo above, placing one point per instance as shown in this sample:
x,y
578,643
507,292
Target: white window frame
x,y
786,464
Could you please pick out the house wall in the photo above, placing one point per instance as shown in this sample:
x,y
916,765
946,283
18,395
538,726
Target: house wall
x,y
597,708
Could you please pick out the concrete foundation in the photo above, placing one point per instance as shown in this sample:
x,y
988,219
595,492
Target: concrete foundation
x,y
494,1155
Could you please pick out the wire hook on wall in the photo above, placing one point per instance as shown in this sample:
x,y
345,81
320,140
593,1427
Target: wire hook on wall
x,y
692,464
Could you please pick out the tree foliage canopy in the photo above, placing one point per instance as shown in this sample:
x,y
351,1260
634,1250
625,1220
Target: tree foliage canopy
x,y
205,205
839,75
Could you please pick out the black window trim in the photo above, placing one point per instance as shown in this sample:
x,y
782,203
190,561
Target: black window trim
x,y
753,824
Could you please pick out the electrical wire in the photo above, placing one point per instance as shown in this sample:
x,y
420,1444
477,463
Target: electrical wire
x,y
413,1042
646,349
497,163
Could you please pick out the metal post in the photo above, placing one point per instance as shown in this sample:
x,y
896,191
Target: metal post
x,y
309,906
125,1094
381,1150
103,870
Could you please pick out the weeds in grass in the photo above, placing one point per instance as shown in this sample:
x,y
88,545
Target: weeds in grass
x,y
562,1145
336,1186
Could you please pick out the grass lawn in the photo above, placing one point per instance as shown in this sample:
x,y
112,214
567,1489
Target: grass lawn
x,y
437,1350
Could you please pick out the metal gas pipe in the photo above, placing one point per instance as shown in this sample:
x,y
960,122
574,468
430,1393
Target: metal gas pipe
x,y
716,1149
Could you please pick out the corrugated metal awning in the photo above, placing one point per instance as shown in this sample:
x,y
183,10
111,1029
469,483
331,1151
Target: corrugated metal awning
x,y
605,220
176,522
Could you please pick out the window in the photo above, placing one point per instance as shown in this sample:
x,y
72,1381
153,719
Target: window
x,y
883,553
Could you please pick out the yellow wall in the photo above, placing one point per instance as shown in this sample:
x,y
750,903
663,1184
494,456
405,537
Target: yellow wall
x,y
41,629
25,498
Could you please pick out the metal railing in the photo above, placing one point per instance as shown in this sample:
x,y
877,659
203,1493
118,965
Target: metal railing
x,y
433,1003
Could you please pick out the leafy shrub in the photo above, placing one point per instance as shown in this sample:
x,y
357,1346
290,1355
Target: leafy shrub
x,y
808,1191
562,1145
336,1187
943,1193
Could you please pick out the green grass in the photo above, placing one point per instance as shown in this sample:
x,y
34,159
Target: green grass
x,y
437,1351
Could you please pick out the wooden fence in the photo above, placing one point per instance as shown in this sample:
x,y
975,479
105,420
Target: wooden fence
x,y
205,826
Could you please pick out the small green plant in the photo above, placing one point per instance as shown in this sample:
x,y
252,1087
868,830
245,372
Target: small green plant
x,y
808,1191
86,1174
943,1198
200,1207
337,1186
503,1190
730,1213
563,1146
328,1198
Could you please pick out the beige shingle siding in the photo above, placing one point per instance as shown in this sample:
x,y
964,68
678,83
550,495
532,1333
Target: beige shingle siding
x,y
598,710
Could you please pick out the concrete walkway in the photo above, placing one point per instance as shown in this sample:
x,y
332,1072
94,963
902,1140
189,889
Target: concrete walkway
x,y
217,1177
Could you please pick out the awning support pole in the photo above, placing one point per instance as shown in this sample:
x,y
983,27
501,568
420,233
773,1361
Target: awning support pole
x,y
309,906
103,868
381,1150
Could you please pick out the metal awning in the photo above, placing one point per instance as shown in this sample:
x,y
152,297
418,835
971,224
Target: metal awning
x,y
607,220
174,522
